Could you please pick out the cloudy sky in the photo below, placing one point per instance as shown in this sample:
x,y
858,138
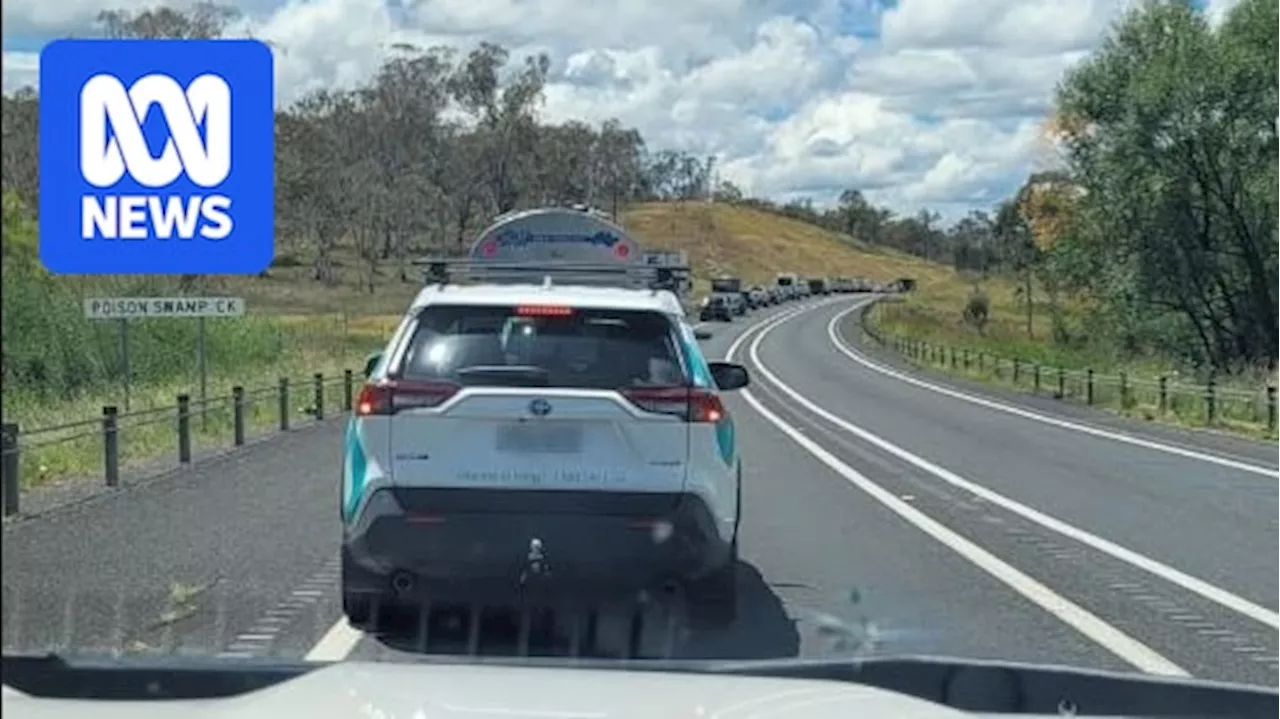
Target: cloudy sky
x,y
921,103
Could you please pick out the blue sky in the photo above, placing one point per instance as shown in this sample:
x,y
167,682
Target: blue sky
x,y
922,103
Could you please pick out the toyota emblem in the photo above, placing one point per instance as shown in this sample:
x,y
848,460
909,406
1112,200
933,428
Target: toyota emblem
x,y
540,407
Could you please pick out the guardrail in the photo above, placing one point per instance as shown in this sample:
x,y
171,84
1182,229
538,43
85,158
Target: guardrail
x,y
191,422
1208,405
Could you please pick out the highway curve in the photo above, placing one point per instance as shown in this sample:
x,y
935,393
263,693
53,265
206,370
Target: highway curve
x,y
880,516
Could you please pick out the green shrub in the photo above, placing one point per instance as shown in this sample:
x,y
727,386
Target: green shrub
x,y
52,352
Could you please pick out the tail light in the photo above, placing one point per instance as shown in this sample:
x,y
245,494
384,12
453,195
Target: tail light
x,y
688,403
390,396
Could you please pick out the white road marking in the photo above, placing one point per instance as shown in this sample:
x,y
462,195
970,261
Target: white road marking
x,y
1090,625
1036,416
336,643
1209,591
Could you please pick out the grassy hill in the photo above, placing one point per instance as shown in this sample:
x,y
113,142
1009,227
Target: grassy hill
x,y
755,245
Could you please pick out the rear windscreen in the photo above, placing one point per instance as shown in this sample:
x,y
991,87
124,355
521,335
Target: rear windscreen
x,y
784,281
544,347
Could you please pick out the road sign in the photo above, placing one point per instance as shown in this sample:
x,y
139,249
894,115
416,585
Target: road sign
x,y
667,258
118,308
123,309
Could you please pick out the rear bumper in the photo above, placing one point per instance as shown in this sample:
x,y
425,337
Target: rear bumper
x,y
475,545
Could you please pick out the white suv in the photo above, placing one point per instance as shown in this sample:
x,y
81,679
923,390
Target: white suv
x,y
548,427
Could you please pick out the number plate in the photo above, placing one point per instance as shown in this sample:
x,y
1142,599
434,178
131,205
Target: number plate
x,y
540,437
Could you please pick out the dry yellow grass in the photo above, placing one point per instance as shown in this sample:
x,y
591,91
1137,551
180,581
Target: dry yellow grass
x,y
755,245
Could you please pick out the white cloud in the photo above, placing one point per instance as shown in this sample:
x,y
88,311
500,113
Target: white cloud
x,y
1217,10
21,69
929,102
1045,26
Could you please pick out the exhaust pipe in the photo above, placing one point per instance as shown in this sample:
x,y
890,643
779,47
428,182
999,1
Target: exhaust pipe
x,y
402,582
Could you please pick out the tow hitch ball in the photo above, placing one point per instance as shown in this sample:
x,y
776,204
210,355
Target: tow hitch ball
x,y
535,562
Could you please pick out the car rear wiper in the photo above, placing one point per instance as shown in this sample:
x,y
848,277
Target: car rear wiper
x,y
506,375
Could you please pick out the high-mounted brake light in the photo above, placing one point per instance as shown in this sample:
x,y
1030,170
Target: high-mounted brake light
x,y
544,311
689,403
390,396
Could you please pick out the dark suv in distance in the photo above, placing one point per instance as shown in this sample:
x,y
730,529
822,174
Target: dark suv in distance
x,y
716,307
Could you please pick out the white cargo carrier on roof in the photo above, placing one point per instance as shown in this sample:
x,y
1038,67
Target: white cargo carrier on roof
x,y
545,390
561,251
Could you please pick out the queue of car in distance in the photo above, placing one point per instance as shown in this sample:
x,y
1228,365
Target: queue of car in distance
x,y
729,298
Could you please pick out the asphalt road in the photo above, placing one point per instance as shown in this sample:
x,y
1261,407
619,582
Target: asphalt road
x,y
880,516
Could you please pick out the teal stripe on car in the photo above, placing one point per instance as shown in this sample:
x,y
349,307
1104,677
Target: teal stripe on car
x,y
358,464
726,439
697,362
726,435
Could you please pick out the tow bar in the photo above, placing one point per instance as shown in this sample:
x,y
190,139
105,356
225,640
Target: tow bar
x,y
535,563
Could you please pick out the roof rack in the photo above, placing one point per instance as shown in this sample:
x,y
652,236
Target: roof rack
x,y
634,275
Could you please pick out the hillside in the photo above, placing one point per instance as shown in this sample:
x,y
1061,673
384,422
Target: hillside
x,y
753,244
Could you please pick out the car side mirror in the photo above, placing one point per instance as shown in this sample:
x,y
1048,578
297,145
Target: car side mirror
x,y
729,376
700,333
371,362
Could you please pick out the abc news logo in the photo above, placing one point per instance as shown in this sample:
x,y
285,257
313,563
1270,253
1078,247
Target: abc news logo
x,y
113,144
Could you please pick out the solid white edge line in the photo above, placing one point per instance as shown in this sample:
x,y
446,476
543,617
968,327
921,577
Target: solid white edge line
x,y
1090,625
341,638
1028,414
336,643
1198,586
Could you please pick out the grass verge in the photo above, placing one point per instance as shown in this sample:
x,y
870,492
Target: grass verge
x,y
1147,391
65,438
